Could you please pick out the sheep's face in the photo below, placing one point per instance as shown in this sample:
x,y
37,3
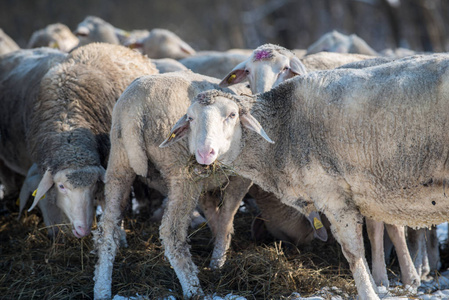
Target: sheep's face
x,y
265,69
215,131
77,200
264,75
94,29
162,43
213,125
75,192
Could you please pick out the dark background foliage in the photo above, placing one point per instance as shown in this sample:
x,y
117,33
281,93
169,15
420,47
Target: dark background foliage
x,y
420,25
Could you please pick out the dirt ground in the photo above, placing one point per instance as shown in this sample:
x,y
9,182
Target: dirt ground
x,y
32,266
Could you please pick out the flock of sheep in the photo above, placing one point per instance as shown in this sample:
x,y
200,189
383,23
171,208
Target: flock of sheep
x,y
320,140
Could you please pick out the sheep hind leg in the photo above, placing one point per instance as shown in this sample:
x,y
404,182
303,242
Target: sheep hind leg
x,y
234,193
376,236
346,226
409,274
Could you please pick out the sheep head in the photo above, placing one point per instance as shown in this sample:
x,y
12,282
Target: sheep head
x,y
76,190
268,66
213,124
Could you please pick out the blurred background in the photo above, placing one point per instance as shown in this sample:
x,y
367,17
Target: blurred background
x,y
420,25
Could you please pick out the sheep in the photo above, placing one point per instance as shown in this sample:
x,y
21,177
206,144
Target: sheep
x,y
7,44
284,222
363,164
162,43
335,41
142,117
20,74
266,67
57,36
94,29
332,60
320,61
165,65
213,63
67,126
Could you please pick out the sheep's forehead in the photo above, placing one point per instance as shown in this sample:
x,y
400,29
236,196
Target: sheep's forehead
x,y
78,178
221,105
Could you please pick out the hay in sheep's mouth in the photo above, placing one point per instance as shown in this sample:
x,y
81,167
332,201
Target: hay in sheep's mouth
x,y
198,171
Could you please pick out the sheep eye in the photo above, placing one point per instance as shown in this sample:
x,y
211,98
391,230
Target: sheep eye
x,y
286,68
190,119
61,186
247,71
232,115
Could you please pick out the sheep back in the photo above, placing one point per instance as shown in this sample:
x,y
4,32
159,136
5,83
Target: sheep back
x,y
70,121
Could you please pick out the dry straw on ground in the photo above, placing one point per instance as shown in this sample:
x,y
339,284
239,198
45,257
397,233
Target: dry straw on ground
x,y
34,267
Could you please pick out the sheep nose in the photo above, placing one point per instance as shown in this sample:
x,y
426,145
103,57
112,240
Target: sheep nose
x,y
206,156
81,231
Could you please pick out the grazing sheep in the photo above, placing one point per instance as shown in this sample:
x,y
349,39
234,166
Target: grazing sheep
x,y
265,68
7,44
142,118
21,72
339,147
335,41
213,63
332,60
94,29
162,43
57,36
66,128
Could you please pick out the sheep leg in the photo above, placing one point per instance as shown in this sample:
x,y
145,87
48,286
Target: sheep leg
x,y
346,226
182,200
233,196
433,250
376,236
119,180
408,272
417,248
209,203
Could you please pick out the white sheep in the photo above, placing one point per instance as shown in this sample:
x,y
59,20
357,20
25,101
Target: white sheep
x,y
94,29
265,68
7,44
57,36
338,147
162,43
213,63
335,41
142,118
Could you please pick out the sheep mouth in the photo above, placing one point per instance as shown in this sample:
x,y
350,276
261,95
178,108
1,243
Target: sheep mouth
x,y
205,171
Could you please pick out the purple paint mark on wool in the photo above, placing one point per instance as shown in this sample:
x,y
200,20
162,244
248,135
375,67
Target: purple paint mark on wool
x,y
262,54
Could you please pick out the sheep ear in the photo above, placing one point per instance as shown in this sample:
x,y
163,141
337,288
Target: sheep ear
x,y
297,67
43,187
177,133
248,121
237,75
319,231
187,49
102,172
135,45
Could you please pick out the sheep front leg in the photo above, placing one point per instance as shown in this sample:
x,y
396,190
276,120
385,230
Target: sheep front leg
x,y
182,200
234,193
107,236
376,236
409,274
346,226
